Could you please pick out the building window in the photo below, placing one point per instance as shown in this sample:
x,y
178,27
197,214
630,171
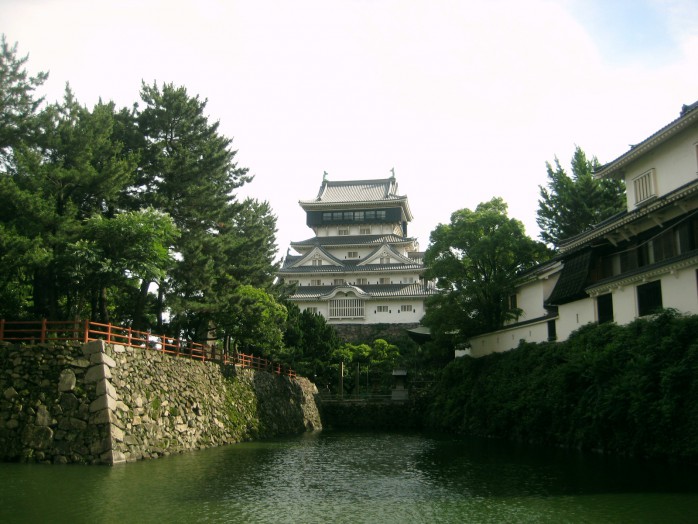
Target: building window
x,y
384,280
337,215
644,187
361,281
513,302
604,308
326,216
358,215
346,308
343,231
552,330
338,281
370,215
381,309
311,310
649,298
316,282
406,308
365,230
294,282
317,261
353,254
380,215
385,260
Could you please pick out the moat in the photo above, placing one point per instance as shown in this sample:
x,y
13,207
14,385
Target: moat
x,y
355,477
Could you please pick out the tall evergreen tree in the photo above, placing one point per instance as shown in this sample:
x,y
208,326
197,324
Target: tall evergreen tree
x,y
570,205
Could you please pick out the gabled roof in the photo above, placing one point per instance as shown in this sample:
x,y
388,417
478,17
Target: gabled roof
x,y
384,248
688,116
317,252
357,192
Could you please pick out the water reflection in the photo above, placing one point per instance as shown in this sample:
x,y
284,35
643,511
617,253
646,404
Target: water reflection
x,y
355,477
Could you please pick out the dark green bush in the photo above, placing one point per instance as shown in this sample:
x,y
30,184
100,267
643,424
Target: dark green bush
x,y
631,390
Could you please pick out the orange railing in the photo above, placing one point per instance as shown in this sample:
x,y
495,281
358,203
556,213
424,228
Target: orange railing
x,y
43,331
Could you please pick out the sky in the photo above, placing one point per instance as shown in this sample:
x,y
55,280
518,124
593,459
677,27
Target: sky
x,y
467,100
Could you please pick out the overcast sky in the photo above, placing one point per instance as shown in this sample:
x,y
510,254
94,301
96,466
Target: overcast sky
x,y
465,99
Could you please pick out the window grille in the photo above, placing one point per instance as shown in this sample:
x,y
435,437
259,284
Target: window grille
x,y
346,308
644,187
382,309
406,308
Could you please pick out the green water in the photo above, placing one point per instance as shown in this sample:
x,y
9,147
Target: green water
x,y
356,477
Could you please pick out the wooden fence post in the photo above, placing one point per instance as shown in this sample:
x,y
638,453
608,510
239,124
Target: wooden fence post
x,y
43,330
86,332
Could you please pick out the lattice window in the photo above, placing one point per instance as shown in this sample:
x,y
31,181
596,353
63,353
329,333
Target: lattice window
x,y
346,308
644,187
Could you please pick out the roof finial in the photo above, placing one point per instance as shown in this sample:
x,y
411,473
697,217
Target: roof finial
x,y
392,170
324,176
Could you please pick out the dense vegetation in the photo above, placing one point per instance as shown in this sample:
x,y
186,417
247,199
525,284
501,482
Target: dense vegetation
x,y
621,389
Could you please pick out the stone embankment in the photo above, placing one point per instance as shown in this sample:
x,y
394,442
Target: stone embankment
x,y
104,404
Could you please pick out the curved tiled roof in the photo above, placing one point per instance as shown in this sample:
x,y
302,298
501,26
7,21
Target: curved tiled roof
x,y
355,192
347,266
417,290
353,240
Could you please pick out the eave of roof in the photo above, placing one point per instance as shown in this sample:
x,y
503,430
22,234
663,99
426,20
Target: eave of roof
x,y
414,290
353,240
626,217
358,193
688,116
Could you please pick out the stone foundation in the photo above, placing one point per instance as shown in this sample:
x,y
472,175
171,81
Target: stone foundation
x,y
101,404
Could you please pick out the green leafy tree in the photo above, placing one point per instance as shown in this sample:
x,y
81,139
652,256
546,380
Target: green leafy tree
x,y
118,253
570,205
76,170
310,343
189,172
475,260
18,103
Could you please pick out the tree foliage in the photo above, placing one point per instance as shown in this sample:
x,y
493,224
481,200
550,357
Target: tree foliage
x,y
130,216
570,205
475,260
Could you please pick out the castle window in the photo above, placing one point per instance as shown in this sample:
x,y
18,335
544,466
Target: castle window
x,y
316,282
644,187
346,308
405,308
343,231
338,281
385,260
361,281
384,280
381,309
358,215
649,298
317,261
380,215
311,310
604,308
353,254
366,230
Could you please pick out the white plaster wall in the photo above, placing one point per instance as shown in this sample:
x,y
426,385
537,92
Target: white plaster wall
x,y
680,291
574,315
675,164
507,339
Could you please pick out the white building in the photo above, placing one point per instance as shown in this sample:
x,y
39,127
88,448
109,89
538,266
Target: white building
x,y
630,265
361,267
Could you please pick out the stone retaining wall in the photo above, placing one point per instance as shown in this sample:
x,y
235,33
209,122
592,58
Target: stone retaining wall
x,y
101,404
